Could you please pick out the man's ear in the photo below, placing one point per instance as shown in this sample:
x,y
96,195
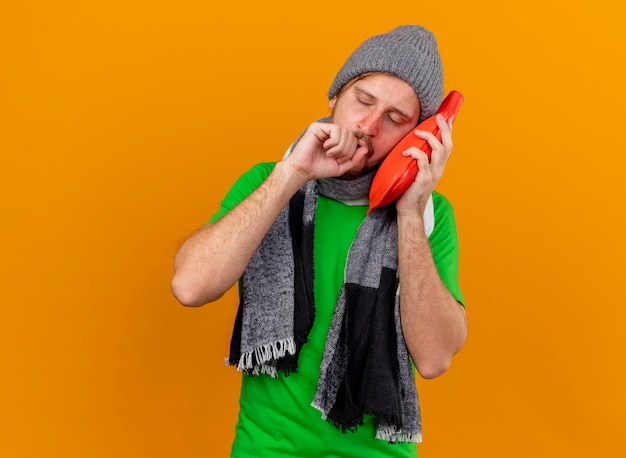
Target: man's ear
x,y
332,102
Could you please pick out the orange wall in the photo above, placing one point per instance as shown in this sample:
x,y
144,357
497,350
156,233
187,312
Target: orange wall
x,y
123,123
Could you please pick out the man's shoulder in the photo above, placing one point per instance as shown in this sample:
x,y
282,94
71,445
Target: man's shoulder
x,y
243,187
257,173
443,207
444,213
441,200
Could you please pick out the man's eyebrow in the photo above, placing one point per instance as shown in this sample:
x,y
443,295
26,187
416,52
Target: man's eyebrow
x,y
362,91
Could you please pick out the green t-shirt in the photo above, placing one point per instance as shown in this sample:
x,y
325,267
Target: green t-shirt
x,y
276,418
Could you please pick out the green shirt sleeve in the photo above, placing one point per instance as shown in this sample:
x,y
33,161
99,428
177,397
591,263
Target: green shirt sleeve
x,y
243,187
445,245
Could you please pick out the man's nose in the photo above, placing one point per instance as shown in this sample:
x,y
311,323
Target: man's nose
x,y
370,124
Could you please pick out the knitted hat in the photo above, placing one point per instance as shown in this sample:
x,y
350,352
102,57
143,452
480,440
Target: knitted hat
x,y
409,52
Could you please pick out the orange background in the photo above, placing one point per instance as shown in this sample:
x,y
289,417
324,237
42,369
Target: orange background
x,y
122,125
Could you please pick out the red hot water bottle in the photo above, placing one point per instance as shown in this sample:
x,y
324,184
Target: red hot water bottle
x,y
397,172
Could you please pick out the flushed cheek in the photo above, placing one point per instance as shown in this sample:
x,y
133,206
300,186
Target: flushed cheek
x,y
382,150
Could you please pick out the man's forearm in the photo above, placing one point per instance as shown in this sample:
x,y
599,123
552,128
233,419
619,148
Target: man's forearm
x,y
433,322
214,258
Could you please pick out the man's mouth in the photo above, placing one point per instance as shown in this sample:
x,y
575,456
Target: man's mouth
x,y
366,138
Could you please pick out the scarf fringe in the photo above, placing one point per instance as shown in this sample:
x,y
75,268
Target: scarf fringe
x,y
386,433
318,406
392,435
255,361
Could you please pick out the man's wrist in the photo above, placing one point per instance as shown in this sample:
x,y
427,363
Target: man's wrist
x,y
412,225
292,178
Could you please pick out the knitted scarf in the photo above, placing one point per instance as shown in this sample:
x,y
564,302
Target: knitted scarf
x,y
365,367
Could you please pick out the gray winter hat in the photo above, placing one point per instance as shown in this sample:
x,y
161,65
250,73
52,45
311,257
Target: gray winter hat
x,y
409,52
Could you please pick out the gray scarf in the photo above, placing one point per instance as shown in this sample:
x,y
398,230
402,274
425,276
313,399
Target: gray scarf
x,y
365,367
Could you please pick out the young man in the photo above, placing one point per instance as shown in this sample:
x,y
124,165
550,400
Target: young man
x,y
337,304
